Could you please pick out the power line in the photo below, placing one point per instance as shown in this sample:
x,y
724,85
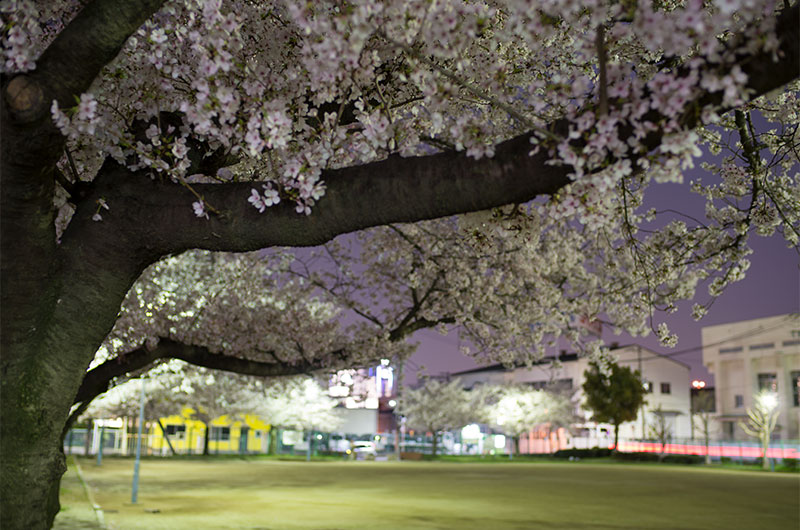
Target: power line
x,y
745,335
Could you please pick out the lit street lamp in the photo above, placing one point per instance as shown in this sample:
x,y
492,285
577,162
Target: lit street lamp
x,y
762,419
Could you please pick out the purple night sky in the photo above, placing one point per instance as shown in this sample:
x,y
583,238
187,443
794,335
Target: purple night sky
x,y
771,287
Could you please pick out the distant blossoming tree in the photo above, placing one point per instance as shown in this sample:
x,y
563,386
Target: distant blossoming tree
x,y
762,418
436,407
660,429
295,403
135,130
518,409
702,419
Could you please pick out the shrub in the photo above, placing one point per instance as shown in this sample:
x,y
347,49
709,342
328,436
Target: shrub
x,y
684,459
636,457
595,452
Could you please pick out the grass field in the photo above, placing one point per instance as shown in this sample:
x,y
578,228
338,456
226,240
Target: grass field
x,y
271,494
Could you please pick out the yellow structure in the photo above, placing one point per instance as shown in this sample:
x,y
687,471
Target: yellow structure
x,y
227,435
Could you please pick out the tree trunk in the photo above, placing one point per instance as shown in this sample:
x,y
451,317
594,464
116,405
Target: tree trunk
x,y
273,441
435,441
33,412
206,438
31,475
616,437
166,437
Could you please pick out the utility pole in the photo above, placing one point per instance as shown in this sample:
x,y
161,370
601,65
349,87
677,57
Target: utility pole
x,y
399,431
135,488
100,446
639,352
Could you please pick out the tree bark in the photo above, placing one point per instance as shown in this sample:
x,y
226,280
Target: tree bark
x,y
166,437
273,433
97,380
206,438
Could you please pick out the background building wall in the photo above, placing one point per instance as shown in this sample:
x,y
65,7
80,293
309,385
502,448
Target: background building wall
x,y
567,375
744,356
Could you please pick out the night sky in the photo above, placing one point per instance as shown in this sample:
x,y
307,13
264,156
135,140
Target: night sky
x,y
771,287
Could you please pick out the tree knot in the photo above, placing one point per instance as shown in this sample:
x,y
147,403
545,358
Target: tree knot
x,y
25,98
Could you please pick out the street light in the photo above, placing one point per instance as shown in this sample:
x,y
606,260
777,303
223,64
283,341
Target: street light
x,y
762,420
698,384
769,400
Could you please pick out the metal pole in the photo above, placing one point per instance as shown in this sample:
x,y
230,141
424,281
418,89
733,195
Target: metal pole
x,y
135,488
100,447
641,409
401,430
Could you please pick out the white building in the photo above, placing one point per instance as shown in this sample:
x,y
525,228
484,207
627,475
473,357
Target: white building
x,y
364,394
751,355
666,378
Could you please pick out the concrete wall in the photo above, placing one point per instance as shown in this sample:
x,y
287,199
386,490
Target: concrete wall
x,y
358,421
737,352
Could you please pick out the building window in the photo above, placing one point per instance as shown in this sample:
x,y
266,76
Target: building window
x,y
796,388
220,434
739,401
768,382
765,346
729,427
730,350
665,388
648,387
791,342
176,431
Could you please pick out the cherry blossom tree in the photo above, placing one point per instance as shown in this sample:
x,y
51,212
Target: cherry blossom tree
x,y
762,418
518,409
660,428
436,407
211,394
703,418
137,130
227,312
124,401
299,403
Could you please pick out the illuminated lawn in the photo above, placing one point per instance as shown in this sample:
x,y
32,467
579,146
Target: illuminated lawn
x,y
261,494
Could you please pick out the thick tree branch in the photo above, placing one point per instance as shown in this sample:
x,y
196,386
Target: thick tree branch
x,y
400,333
97,379
75,58
158,216
30,147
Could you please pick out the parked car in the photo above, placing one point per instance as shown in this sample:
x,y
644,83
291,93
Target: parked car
x,y
363,450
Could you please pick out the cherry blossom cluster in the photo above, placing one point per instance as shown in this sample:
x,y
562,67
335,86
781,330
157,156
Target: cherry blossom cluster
x,y
454,73
237,305
20,31
288,89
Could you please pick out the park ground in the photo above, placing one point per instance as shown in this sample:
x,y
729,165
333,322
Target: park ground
x,y
273,494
